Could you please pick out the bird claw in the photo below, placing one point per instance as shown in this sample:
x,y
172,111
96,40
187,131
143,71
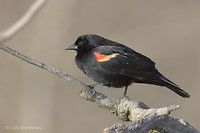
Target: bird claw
x,y
92,87
126,97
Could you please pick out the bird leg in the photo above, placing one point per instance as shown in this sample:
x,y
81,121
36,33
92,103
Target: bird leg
x,y
125,91
94,85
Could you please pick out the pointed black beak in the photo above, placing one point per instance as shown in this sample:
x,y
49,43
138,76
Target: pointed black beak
x,y
72,47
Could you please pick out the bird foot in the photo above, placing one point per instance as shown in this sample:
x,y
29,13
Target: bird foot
x,y
92,87
126,97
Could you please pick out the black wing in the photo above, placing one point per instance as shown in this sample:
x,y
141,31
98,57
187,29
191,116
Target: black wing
x,y
127,62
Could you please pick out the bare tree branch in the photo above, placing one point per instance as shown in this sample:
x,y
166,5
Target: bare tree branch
x,y
166,125
141,117
10,32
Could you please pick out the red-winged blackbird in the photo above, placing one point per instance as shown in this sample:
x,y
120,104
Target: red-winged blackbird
x,y
115,65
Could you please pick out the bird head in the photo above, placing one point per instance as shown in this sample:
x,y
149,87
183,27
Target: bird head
x,y
86,43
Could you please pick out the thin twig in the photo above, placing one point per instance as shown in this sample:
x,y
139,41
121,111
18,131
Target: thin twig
x,y
25,19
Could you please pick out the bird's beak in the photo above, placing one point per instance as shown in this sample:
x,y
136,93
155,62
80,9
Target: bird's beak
x,y
72,47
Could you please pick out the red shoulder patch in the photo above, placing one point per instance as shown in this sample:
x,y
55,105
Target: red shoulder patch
x,y
103,57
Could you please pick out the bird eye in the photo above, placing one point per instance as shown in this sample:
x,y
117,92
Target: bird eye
x,y
81,42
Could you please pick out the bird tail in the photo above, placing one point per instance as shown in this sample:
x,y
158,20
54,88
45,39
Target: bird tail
x,y
175,88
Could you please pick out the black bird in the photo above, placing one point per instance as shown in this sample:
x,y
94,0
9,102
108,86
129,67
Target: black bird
x,y
113,64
